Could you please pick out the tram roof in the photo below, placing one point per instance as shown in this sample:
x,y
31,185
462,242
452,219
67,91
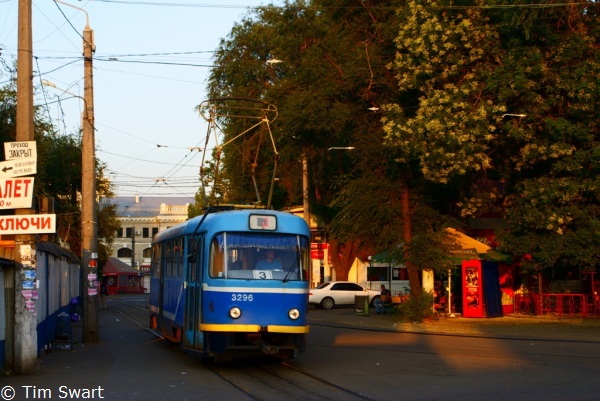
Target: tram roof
x,y
229,219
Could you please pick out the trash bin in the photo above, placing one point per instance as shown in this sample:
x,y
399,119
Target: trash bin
x,y
64,332
75,310
361,304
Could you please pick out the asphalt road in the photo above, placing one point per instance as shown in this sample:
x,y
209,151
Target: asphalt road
x,y
364,354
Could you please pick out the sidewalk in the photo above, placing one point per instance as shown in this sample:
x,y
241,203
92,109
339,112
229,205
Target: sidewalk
x,y
545,327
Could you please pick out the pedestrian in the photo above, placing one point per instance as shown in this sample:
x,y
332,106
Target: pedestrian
x,y
385,296
103,293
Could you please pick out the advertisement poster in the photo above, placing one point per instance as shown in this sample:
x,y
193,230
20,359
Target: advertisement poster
x,y
472,288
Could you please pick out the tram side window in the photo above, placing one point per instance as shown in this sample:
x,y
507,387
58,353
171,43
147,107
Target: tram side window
x,y
178,262
217,257
156,260
169,259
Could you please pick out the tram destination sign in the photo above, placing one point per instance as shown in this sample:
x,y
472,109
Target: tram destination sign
x,y
28,224
16,193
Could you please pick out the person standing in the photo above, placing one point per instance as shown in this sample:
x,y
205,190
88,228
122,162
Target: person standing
x,y
103,293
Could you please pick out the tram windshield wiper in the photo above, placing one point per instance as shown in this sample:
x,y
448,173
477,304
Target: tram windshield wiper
x,y
295,264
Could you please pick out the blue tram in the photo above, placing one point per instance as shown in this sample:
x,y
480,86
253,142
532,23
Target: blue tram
x,y
232,283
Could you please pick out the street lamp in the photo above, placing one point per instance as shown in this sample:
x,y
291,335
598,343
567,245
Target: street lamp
x,y
45,82
341,148
514,115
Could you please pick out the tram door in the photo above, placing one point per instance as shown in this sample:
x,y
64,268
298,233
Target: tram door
x,y
192,334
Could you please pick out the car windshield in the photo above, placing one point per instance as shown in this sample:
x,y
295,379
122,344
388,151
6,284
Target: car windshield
x,y
259,256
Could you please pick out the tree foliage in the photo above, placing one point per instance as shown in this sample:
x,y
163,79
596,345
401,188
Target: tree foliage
x,y
477,69
332,72
59,177
486,109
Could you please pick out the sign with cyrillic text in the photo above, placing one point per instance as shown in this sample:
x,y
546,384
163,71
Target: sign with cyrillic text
x,y
28,224
18,168
16,193
20,150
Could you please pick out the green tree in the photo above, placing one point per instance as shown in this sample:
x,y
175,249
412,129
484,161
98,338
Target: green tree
x,y
333,70
106,213
59,176
551,71
475,70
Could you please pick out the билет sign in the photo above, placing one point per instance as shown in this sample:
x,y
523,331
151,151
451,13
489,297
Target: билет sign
x,y
16,193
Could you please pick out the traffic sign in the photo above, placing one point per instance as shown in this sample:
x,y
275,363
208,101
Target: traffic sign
x,y
18,168
28,224
16,193
20,150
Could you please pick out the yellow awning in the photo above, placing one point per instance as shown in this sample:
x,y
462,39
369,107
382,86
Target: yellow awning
x,y
470,248
467,243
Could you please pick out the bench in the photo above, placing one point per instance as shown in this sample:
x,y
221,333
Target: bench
x,y
391,304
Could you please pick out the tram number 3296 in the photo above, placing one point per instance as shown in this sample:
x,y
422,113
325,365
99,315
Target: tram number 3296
x,y
241,297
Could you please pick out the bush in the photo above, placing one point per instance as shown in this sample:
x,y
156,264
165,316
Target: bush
x,y
416,309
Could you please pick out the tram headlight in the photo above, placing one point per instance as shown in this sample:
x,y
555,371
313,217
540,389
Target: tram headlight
x,y
235,312
294,313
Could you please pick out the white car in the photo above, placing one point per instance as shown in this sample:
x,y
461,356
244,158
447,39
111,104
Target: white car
x,y
328,295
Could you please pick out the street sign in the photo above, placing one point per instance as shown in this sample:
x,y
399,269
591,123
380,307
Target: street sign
x,y
28,224
18,168
20,150
16,193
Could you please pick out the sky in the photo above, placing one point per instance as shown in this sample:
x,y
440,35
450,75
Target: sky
x,y
151,63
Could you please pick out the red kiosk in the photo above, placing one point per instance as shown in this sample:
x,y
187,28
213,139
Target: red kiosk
x,y
472,288
122,278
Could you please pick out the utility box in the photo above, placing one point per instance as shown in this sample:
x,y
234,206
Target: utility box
x,y
361,304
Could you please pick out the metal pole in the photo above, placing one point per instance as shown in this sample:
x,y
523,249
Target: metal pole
x,y
306,211
133,247
450,292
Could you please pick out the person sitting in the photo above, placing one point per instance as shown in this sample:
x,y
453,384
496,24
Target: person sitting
x,y
385,297
270,262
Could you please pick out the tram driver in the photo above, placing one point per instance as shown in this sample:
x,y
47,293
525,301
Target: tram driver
x,y
270,262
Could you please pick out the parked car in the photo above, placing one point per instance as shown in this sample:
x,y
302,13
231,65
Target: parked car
x,y
328,295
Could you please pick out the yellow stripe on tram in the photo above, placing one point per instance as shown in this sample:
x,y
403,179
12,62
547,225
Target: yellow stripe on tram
x,y
288,329
241,328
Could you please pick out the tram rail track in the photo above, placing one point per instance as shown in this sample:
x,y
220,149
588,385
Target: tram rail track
x,y
273,380
262,379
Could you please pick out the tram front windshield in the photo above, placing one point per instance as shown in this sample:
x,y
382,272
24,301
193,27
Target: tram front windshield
x,y
259,256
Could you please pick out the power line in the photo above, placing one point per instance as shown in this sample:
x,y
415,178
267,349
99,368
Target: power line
x,y
190,5
143,160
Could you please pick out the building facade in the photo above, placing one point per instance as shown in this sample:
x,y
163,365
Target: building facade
x,y
141,218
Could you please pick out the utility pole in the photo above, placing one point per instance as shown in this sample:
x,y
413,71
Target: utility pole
x,y
89,229
24,353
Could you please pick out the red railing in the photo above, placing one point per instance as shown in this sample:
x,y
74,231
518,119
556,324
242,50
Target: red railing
x,y
559,304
